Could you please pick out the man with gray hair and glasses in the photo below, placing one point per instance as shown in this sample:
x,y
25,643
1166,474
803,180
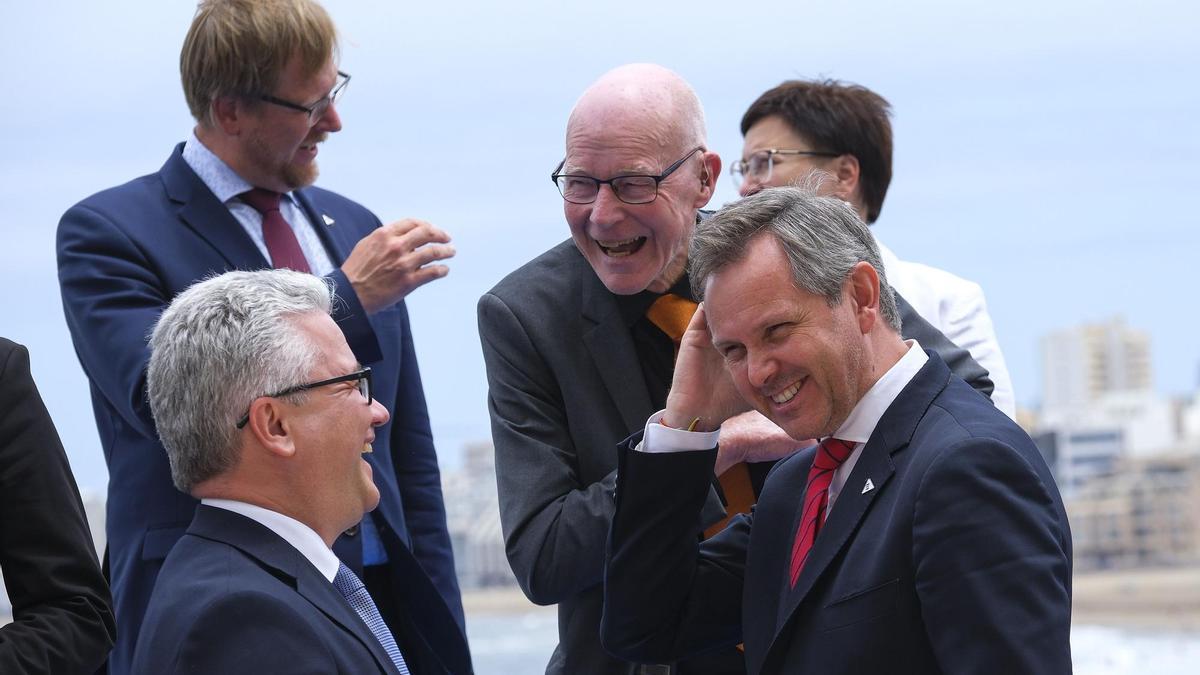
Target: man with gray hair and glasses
x,y
924,534
266,416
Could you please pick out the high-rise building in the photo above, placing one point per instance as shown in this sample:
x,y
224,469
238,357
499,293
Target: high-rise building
x,y
1083,363
473,519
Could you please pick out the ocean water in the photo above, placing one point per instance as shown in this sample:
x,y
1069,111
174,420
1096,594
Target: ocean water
x,y
1101,650
521,643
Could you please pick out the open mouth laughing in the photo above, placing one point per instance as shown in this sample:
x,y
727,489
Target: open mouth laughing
x,y
621,248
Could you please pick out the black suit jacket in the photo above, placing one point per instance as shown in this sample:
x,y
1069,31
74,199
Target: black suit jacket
x,y
955,559
234,597
62,610
123,254
564,385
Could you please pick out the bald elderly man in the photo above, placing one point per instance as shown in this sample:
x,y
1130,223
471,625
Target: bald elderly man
x,y
580,345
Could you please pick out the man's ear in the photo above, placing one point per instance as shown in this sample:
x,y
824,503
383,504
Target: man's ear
x,y
271,427
228,113
710,170
863,288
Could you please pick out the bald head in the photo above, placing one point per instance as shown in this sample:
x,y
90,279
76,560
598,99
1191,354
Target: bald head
x,y
641,124
653,100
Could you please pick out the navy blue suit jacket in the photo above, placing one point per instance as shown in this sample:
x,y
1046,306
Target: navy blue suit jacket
x,y
123,254
233,597
956,558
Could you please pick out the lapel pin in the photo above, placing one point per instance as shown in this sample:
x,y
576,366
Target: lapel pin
x,y
328,220
867,487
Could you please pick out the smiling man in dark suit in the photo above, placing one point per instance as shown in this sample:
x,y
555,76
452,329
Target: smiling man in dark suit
x,y
267,417
924,534
580,345
261,80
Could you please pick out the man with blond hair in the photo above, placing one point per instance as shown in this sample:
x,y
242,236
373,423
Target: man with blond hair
x,y
262,81
580,346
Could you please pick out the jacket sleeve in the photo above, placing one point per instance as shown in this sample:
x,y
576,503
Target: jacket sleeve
x,y
554,525
666,595
960,361
992,563
968,324
419,477
62,610
111,298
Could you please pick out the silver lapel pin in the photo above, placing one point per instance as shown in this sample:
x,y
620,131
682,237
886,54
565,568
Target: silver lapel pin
x,y
868,487
328,220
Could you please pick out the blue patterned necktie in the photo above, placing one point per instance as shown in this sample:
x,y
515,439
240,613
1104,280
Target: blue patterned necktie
x,y
360,600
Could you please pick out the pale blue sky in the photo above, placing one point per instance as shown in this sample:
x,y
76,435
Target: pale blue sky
x,y
1045,150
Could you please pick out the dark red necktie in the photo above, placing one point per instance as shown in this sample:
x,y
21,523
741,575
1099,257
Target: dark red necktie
x,y
281,242
830,455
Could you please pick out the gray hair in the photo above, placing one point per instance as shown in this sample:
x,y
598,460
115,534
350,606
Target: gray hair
x,y
222,343
822,236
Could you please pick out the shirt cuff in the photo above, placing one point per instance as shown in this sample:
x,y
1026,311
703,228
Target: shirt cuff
x,y
659,438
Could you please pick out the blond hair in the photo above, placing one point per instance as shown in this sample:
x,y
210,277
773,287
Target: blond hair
x,y
241,47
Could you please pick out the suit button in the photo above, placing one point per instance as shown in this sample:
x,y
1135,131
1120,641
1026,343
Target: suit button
x,y
352,532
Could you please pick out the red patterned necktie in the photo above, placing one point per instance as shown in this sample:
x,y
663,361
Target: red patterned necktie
x,y
830,455
281,241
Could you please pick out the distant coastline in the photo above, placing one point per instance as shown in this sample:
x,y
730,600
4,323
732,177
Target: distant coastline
x,y
1159,598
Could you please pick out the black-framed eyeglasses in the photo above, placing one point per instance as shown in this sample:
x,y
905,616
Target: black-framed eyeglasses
x,y
316,110
362,377
631,189
760,164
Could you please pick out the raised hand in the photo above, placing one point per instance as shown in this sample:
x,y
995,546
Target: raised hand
x,y
701,387
394,260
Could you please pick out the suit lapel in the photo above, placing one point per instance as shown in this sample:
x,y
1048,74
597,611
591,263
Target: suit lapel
x,y
259,542
851,506
891,435
610,344
202,213
337,238
321,593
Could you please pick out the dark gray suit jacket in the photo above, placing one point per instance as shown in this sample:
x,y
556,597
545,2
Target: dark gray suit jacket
x,y
564,386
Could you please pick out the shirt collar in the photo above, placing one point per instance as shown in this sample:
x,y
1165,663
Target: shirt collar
x,y
222,180
861,423
302,537
634,307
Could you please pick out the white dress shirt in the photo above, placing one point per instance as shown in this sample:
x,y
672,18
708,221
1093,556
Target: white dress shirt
x,y
857,428
956,307
302,537
227,185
